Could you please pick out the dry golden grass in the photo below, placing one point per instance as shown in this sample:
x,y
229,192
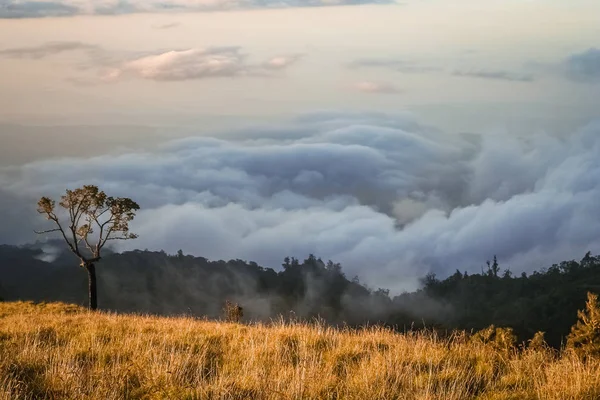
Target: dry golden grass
x,y
58,351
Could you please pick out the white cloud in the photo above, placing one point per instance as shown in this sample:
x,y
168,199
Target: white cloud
x,y
178,65
172,65
282,62
186,64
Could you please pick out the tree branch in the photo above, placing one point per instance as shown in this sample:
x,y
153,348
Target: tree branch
x,y
85,238
103,242
96,217
90,204
48,231
75,241
60,229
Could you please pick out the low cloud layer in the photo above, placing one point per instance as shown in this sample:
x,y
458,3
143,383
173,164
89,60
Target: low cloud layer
x,y
387,197
61,8
584,66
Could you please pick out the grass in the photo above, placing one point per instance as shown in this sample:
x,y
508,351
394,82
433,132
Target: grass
x,y
59,351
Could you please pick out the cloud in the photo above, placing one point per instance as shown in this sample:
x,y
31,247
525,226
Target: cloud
x,y
495,75
584,66
35,9
171,65
413,67
60,8
387,197
178,65
46,50
282,62
395,64
376,87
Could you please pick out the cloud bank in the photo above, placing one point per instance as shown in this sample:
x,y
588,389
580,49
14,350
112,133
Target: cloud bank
x,y
387,197
62,8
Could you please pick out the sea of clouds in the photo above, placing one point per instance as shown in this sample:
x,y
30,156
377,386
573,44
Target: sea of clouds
x,y
389,198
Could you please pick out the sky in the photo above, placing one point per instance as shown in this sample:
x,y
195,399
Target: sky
x,y
397,137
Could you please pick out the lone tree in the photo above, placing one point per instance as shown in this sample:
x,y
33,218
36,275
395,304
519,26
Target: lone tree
x,y
91,219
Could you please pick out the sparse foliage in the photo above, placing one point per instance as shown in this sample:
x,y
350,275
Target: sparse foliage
x,y
92,219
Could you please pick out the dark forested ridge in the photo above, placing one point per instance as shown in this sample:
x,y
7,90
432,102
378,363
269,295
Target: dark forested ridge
x,y
155,282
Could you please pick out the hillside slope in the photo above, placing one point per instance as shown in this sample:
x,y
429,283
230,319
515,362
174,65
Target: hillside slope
x,y
60,351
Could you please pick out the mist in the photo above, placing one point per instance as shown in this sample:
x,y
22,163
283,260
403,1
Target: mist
x,y
389,198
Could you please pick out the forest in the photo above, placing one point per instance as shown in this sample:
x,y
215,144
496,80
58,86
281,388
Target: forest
x,y
163,284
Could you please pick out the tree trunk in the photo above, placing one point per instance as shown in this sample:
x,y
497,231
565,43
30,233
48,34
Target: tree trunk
x,y
93,296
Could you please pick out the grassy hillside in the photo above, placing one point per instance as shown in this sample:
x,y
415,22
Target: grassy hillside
x,y
59,351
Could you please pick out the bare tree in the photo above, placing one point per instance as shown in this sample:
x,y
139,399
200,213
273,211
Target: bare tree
x,y
91,219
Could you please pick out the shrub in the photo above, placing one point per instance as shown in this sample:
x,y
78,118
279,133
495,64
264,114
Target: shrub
x,y
233,312
584,338
537,342
502,339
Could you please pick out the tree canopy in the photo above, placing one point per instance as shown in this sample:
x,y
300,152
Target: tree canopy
x,y
93,219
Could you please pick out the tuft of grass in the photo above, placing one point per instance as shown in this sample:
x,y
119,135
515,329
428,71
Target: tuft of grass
x,y
60,351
